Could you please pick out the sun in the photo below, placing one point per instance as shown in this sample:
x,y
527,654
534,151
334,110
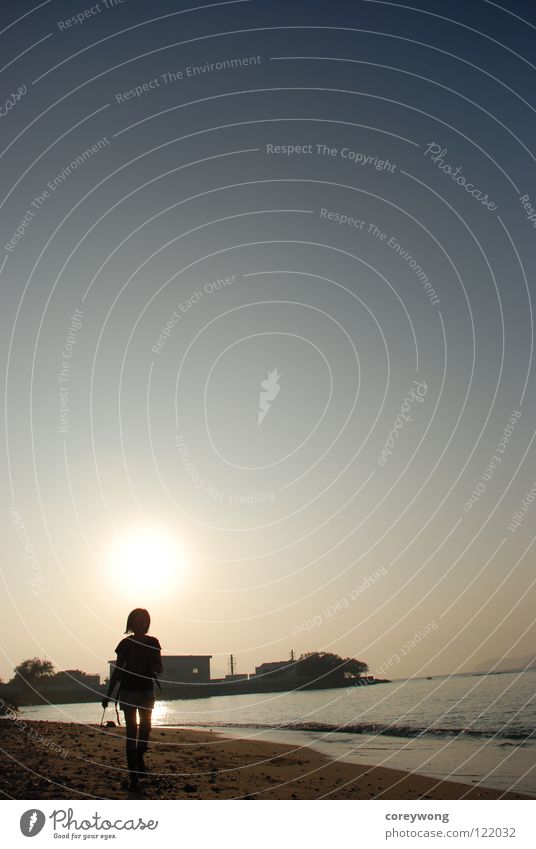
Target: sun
x,y
148,560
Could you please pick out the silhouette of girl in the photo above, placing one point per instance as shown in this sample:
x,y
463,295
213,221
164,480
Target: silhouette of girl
x,y
138,662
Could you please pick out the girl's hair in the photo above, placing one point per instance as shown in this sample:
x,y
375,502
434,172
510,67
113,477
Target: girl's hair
x,y
132,615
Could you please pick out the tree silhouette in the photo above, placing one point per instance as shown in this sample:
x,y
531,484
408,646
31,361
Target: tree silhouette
x,y
32,671
326,665
354,668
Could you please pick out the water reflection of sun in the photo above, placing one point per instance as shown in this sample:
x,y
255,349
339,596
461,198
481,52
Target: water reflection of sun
x,y
160,713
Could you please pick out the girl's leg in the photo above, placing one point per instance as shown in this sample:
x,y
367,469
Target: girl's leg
x,y
145,730
131,735
131,726
145,727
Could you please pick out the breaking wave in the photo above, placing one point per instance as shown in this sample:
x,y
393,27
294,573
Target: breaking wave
x,y
520,735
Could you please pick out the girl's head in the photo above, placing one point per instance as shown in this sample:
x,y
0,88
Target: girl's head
x,y
138,621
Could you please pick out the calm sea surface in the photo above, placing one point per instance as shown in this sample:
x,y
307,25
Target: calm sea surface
x,y
468,728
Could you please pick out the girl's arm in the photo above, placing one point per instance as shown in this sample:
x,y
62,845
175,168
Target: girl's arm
x,y
157,662
115,679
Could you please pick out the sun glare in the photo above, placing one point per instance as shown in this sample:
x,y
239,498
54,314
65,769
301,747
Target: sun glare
x,y
146,560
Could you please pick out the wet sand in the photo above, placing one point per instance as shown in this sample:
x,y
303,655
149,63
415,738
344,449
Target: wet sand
x,y
56,760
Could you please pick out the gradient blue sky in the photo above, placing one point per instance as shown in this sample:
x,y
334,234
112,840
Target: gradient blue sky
x,y
277,528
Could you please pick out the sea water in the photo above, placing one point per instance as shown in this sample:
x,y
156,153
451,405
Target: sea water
x,y
479,729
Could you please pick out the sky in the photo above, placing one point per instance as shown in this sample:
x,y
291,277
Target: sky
x,y
267,280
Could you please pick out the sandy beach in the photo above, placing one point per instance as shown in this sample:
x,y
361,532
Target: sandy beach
x,y
55,760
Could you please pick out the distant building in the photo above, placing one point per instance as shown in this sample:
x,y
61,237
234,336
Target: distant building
x,y
185,669
70,685
276,669
181,669
70,679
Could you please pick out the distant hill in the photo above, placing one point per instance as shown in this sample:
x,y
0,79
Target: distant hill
x,y
507,664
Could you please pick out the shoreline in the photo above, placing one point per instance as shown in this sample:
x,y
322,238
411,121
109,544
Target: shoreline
x,y
62,760
429,758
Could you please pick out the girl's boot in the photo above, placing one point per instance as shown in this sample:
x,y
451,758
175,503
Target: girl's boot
x,y
140,762
132,771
